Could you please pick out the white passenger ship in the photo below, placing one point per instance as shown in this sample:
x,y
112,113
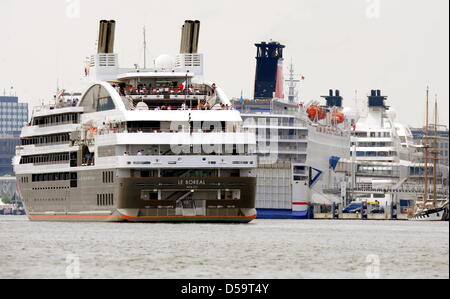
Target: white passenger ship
x,y
298,143
148,145
385,166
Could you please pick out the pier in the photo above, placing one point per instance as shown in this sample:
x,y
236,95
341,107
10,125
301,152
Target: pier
x,y
397,209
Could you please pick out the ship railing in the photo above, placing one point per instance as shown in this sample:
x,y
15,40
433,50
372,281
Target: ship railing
x,y
150,130
386,189
169,153
56,124
189,161
165,91
88,162
50,163
62,105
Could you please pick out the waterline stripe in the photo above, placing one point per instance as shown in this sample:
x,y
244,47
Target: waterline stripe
x,y
143,217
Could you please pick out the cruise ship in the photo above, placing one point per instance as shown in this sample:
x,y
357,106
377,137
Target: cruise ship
x,y
298,144
157,144
386,166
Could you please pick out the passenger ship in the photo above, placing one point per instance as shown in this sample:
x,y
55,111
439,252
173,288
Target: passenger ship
x,y
297,142
386,166
140,145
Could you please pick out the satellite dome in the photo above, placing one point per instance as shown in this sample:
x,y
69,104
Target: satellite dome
x,y
165,62
141,106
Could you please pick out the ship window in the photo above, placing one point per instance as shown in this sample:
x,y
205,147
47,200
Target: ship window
x,y
149,195
73,180
299,169
97,99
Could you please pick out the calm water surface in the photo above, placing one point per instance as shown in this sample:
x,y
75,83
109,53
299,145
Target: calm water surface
x,y
263,249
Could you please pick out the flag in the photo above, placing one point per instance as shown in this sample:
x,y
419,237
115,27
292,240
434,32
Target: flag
x,y
303,78
182,86
242,100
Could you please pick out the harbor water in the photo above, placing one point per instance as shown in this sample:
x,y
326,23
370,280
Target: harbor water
x,y
262,249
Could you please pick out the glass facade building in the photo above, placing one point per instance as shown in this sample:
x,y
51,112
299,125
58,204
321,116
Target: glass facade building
x,y
13,116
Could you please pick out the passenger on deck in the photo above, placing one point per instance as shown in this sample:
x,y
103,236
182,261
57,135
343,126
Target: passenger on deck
x,y
122,91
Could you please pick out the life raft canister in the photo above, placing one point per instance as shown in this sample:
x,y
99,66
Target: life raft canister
x,y
337,117
315,112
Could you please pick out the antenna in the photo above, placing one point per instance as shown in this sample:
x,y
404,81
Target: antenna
x,y
292,84
145,49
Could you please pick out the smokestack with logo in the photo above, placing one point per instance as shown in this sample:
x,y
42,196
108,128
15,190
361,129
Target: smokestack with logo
x,y
376,99
334,99
269,80
190,37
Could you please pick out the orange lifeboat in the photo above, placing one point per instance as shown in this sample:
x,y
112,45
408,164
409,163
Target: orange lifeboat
x,y
337,117
315,112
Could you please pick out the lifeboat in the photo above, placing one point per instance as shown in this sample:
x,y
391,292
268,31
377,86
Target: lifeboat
x,y
337,117
315,112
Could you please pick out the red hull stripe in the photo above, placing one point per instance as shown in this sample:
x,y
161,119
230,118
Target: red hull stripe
x,y
300,203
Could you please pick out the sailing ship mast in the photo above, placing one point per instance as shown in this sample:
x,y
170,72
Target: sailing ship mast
x,y
435,154
426,147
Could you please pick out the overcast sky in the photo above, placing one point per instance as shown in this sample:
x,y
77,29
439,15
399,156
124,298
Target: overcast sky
x,y
398,46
